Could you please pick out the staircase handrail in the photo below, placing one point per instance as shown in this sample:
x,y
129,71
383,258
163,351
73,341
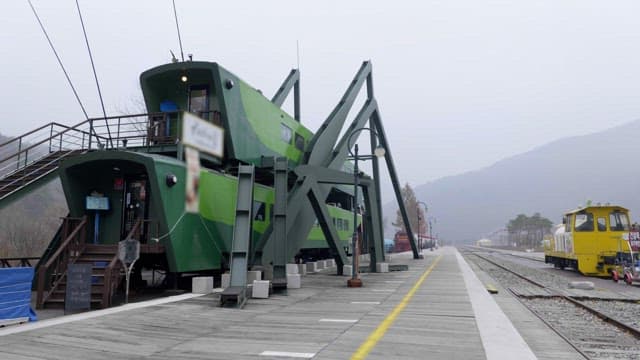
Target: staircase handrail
x,y
34,171
49,140
90,129
62,258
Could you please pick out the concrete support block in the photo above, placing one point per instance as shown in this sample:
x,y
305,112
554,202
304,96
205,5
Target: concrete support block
x,y
253,275
292,268
302,269
382,267
331,263
320,264
312,267
225,280
202,285
267,273
260,289
293,281
346,270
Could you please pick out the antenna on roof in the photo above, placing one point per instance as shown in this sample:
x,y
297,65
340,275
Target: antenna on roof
x,y
298,53
175,15
95,75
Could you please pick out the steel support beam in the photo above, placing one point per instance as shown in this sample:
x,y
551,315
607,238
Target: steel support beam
x,y
280,256
236,292
293,80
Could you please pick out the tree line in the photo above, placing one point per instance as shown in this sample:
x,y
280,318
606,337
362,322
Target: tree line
x,y
528,231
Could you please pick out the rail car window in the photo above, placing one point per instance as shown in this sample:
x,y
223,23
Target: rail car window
x,y
345,223
567,223
602,224
286,133
340,224
618,221
199,100
259,209
584,222
299,142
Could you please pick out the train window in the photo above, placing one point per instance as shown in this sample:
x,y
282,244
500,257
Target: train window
x,y
259,209
567,223
340,224
602,224
345,223
286,133
199,100
584,222
299,142
618,221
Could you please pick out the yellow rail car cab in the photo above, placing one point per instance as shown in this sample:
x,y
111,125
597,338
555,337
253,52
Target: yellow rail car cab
x,y
593,240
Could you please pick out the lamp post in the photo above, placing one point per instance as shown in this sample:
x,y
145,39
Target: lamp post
x,y
433,241
426,209
378,152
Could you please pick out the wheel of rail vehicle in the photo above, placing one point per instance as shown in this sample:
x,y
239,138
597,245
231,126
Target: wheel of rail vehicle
x,y
615,276
627,278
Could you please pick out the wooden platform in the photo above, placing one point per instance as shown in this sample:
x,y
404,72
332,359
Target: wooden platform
x,y
435,310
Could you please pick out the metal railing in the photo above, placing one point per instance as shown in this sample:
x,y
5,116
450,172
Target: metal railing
x,y
17,262
138,130
51,274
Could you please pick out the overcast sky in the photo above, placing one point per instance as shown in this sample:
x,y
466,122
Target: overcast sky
x,y
460,84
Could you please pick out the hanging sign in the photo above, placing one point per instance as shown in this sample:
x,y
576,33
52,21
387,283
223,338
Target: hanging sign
x,y
202,135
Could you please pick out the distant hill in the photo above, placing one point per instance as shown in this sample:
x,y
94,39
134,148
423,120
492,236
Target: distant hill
x,y
550,179
28,224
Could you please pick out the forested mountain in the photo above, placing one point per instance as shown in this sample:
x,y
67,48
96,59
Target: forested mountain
x,y
550,179
28,224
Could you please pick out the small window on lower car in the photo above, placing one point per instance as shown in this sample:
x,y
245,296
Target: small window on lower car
x,y
259,210
602,224
299,142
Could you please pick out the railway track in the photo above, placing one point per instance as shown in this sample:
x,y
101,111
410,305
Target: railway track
x,y
596,328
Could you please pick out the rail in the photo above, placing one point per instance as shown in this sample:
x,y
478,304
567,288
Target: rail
x,y
51,274
20,261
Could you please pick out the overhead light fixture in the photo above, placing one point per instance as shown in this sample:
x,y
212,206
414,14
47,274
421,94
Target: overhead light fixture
x,y
184,78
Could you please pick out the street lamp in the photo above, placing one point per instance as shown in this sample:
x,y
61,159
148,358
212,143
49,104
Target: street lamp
x,y
426,209
433,241
378,152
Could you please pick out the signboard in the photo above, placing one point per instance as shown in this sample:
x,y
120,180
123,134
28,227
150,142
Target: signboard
x,y
97,203
78,292
129,251
191,197
202,135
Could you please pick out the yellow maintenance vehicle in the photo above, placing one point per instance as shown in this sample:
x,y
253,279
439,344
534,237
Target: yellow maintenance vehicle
x,y
595,240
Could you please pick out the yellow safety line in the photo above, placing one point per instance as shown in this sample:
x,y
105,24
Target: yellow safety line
x,y
379,332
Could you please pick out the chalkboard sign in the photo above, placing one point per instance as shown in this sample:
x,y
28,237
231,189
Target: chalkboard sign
x,y
78,294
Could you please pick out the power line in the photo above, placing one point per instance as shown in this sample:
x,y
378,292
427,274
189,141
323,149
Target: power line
x,y
95,75
75,93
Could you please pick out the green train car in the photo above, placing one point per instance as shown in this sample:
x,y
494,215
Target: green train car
x,y
137,187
